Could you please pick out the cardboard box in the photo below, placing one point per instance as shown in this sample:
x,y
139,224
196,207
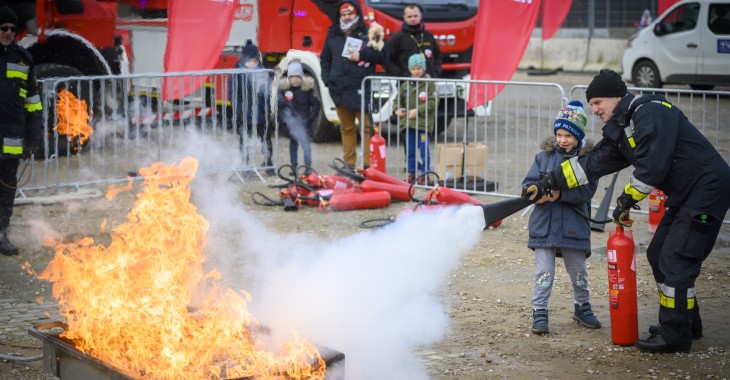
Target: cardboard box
x,y
448,160
454,160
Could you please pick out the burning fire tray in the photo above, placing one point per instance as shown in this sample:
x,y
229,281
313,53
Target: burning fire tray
x,y
63,360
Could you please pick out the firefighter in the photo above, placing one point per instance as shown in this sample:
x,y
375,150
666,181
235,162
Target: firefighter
x,y
667,152
20,123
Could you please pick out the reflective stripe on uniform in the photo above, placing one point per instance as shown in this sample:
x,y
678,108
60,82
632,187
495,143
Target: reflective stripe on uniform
x,y
13,146
667,296
637,189
17,71
23,93
573,173
629,131
33,104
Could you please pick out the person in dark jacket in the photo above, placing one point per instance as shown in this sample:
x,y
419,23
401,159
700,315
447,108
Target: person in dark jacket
x,y
668,153
413,38
298,109
20,122
556,228
346,59
250,93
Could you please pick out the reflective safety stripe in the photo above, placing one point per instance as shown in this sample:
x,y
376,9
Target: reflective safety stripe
x,y
666,104
12,146
18,67
637,189
667,296
574,173
33,107
629,131
14,150
23,93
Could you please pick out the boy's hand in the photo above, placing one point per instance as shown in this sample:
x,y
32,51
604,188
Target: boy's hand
x,y
551,196
412,114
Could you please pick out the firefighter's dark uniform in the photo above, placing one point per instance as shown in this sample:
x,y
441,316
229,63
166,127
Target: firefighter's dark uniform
x,y
20,126
669,153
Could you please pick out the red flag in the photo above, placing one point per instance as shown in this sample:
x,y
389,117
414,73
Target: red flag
x,y
553,14
503,31
196,35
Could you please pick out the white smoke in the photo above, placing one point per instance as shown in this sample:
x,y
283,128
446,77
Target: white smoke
x,y
371,295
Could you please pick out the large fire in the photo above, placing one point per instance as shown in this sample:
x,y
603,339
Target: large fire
x,y
73,119
144,305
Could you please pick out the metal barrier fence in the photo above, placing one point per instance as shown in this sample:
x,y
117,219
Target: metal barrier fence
x,y
487,149
490,150
103,129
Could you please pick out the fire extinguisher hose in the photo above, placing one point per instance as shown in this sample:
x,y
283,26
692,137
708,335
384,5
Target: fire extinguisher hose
x,y
342,169
588,218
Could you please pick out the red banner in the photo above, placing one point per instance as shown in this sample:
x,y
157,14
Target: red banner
x,y
502,34
196,35
553,14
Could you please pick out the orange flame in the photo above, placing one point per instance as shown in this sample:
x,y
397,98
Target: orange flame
x,y
73,119
143,304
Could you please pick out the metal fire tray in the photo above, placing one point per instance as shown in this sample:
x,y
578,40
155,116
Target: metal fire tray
x,y
66,362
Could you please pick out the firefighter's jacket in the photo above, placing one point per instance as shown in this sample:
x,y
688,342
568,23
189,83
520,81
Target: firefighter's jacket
x,y
20,104
657,139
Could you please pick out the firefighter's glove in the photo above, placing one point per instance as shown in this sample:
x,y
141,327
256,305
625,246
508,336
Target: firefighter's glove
x,y
624,204
534,191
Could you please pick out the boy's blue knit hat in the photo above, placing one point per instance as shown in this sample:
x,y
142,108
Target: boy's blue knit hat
x,y
573,119
417,60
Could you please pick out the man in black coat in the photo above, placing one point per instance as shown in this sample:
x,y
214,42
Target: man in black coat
x,y
413,38
346,59
20,121
669,153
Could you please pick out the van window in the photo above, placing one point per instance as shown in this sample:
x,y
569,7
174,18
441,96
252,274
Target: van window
x,y
679,20
719,22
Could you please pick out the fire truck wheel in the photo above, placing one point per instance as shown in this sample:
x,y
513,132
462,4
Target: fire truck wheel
x,y
323,129
55,144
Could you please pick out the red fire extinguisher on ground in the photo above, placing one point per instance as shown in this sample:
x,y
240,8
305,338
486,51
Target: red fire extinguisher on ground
x,y
656,208
377,150
622,287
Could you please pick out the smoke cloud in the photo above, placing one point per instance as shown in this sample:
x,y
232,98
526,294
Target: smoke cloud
x,y
371,295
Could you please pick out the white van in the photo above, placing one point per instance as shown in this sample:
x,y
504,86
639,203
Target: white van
x,y
687,44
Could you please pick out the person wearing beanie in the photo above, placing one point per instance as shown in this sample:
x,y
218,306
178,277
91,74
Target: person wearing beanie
x,y
415,113
667,152
250,94
572,118
21,128
556,229
413,38
298,109
347,57
416,60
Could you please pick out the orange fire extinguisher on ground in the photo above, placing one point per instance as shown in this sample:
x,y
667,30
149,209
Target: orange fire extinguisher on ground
x,y
656,208
377,150
622,287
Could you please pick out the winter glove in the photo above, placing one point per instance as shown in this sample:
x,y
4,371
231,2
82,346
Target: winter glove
x,y
624,204
534,191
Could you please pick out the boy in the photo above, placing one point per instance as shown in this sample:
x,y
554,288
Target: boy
x,y
417,104
298,111
556,229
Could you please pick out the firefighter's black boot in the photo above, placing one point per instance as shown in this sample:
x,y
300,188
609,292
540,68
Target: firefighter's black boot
x,y
675,320
7,248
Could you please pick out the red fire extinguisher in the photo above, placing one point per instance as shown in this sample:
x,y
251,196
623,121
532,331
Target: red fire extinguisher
x,y
622,287
377,150
656,208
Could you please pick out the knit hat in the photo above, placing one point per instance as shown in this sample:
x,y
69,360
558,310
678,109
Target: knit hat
x,y
250,51
7,16
417,60
295,69
606,84
573,119
347,6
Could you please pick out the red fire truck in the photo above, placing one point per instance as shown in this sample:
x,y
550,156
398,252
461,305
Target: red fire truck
x,y
76,37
